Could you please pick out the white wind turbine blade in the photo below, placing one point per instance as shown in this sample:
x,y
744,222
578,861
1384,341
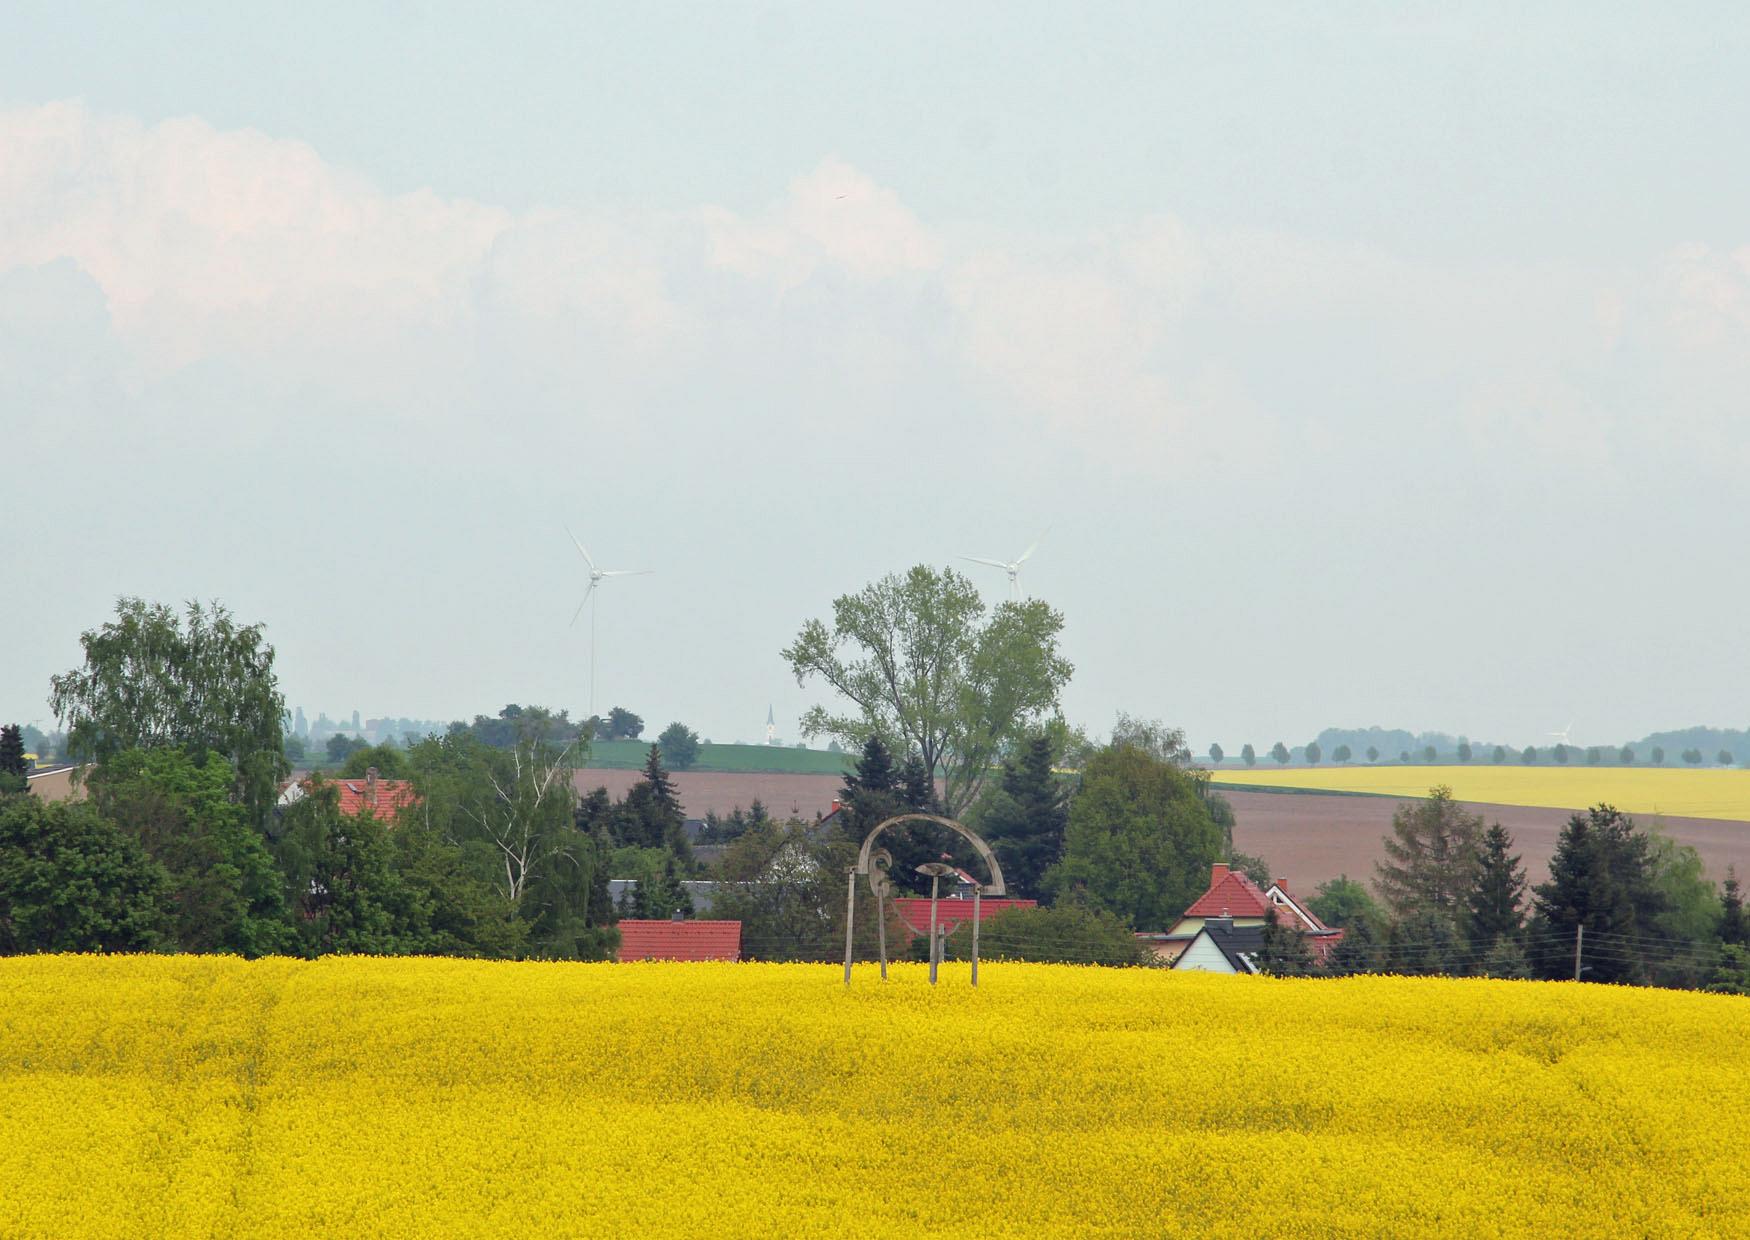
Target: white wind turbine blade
x,y
581,550
1030,550
979,559
626,572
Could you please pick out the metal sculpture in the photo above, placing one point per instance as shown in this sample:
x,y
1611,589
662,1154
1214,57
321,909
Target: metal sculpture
x,y
874,864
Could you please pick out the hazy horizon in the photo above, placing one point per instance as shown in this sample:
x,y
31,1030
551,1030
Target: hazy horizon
x,y
1362,365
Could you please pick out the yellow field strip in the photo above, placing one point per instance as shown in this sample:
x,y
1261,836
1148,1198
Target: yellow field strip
x,y
1671,793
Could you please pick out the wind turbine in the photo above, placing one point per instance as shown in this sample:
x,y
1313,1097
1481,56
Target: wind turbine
x,y
1011,567
1562,736
596,577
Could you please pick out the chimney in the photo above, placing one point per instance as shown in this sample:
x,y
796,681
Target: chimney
x,y
677,915
371,786
1224,922
1283,883
1217,872
1227,916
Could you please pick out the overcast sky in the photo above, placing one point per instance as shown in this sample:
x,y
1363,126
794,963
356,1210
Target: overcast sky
x,y
1388,364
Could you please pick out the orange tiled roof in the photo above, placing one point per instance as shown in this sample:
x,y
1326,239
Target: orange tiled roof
x,y
680,940
1232,893
915,911
384,801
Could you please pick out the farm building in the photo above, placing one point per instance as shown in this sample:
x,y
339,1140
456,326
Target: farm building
x,y
1219,946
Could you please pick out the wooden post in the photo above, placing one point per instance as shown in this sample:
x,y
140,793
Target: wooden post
x,y
1579,938
850,919
977,893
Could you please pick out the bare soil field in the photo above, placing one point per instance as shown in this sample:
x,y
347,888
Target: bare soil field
x,y
702,792
1309,838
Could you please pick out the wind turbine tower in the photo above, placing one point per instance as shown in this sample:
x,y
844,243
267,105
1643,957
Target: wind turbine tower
x,y
596,577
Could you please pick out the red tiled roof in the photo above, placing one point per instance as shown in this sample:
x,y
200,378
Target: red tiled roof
x,y
680,940
388,798
1232,893
915,911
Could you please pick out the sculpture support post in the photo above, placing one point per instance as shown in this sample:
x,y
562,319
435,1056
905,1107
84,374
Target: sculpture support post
x,y
850,920
881,929
976,893
935,939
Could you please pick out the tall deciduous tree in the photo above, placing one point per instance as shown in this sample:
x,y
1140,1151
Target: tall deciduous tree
x,y
1248,755
922,664
1140,840
1279,752
1495,902
1431,858
201,682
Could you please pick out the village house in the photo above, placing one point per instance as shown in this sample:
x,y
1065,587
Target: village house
x,y
381,798
1239,908
679,939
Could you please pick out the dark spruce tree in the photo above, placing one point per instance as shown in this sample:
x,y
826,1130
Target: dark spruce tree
x,y
1496,900
1025,818
1601,877
13,772
1733,930
1284,952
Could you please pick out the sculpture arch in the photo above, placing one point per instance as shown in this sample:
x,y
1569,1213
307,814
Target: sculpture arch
x,y
880,887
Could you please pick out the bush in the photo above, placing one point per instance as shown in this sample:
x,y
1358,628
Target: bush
x,y
1064,934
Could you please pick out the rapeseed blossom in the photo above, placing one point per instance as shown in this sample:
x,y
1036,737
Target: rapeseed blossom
x,y
209,1096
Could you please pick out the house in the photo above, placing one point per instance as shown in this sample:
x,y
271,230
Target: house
x,y
679,940
381,798
702,890
951,911
55,783
1238,900
1219,946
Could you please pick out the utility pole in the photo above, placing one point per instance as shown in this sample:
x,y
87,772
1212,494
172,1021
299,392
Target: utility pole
x,y
1579,938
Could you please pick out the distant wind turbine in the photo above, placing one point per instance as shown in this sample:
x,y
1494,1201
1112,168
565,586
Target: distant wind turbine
x,y
1011,567
596,577
1562,736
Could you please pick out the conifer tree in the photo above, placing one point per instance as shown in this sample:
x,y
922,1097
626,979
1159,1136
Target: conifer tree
x,y
1733,929
1601,877
1431,858
13,775
1026,817
1496,900
1284,952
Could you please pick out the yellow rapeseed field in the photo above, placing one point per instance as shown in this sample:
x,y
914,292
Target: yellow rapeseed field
x,y
187,1096
1654,791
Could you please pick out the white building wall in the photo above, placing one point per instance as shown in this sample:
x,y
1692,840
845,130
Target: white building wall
x,y
1205,955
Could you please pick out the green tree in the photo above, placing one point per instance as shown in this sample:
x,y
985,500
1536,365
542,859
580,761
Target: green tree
x,y
1465,753
1314,754
1248,755
1425,941
679,745
1253,867
1373,753
1342,753
201,682
1594,755
1495,903
225,888
787,888
342,747
1733,927
1343,903
1499,757
1140,840
1360,950
1658,755
1215,755
1528,755
927,668
622,725
1067,933
1559,754
14,771
71,881
1025,818
1627,755
651,815
1279,751
1692,756
1602,877
1284,952
1431,858
1428,754
391,763
296,751
1724,758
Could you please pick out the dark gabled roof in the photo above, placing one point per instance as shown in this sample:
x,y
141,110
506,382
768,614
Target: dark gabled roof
x,y
1240,944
